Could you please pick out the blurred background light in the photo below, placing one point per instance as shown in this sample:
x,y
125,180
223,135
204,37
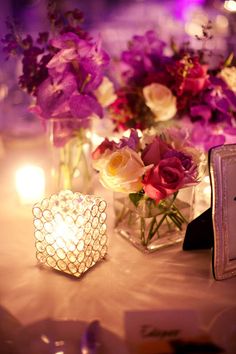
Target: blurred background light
x,y
230,5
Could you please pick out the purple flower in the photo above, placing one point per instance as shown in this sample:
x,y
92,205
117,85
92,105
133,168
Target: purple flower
x,y
201,111
85,59
185,159
219,97
203,135
83,106
132,141
144,51
53,95
215,115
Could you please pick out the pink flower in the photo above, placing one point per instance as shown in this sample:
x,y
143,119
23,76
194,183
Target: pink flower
x,y
164,179
101,149
202,111
196,78
155,151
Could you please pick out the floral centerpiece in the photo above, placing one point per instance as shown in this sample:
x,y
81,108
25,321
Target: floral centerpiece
x,y
181,87
147,172
63,71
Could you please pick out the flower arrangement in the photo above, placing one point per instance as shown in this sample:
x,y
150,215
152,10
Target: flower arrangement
x,y
64,72
150,170
181,88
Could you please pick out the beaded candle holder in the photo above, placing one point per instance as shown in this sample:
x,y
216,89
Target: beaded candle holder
x,y
70,231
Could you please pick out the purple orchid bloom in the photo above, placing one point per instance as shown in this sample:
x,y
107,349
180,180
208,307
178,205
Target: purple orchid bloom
x,y
75,71
220,97
143,52
216,115
203,135
53,95
83,106
82,57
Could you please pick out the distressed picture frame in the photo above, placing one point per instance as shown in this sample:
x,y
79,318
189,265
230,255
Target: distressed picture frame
x,y
222,164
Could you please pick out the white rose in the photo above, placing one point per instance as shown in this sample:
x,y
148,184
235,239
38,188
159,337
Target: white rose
x,y
229,76
122,171
105,93
160,100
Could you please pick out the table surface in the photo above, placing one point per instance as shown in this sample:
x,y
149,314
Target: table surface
x,y
127,280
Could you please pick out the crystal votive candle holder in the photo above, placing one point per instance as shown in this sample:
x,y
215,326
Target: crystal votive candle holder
x,y
70,231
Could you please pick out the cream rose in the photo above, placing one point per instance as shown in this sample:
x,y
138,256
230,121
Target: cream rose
x,y
229,76
123,171
160,100
105,93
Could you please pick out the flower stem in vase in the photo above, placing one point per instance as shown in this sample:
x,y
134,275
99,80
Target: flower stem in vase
x,y
152,233
64,177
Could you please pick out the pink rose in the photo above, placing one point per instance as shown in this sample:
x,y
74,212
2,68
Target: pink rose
x,y
164,179
155,151
196,79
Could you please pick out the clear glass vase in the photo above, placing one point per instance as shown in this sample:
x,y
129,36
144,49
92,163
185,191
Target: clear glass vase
x,y
151,226
70,156
201,197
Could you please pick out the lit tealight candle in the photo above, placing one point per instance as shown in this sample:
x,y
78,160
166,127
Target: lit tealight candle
x,y
70,231
30,184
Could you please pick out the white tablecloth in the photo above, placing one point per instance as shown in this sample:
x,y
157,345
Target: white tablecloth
x,y
126,280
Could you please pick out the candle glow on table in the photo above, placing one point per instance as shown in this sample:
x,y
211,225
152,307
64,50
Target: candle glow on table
x,y
70,231
30,184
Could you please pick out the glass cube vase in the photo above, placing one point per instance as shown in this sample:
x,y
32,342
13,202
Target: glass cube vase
x,y
150,226
70,231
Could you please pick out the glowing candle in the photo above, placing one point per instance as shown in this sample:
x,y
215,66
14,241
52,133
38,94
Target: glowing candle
x,y
30,184
230,5
70,231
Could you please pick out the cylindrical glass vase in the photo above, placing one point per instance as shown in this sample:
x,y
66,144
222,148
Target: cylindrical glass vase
x,y
70,156
150,226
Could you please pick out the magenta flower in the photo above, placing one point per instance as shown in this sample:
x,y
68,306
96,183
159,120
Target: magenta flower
x,y
196,78
155,151
203,135
102,148
164,179
201,110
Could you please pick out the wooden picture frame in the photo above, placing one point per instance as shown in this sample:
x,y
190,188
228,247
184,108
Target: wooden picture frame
x,y
222,164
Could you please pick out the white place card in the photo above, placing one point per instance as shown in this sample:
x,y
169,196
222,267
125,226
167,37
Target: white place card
x,y
149,332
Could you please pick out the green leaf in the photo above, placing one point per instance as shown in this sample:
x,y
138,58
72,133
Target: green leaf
x,y
136,197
